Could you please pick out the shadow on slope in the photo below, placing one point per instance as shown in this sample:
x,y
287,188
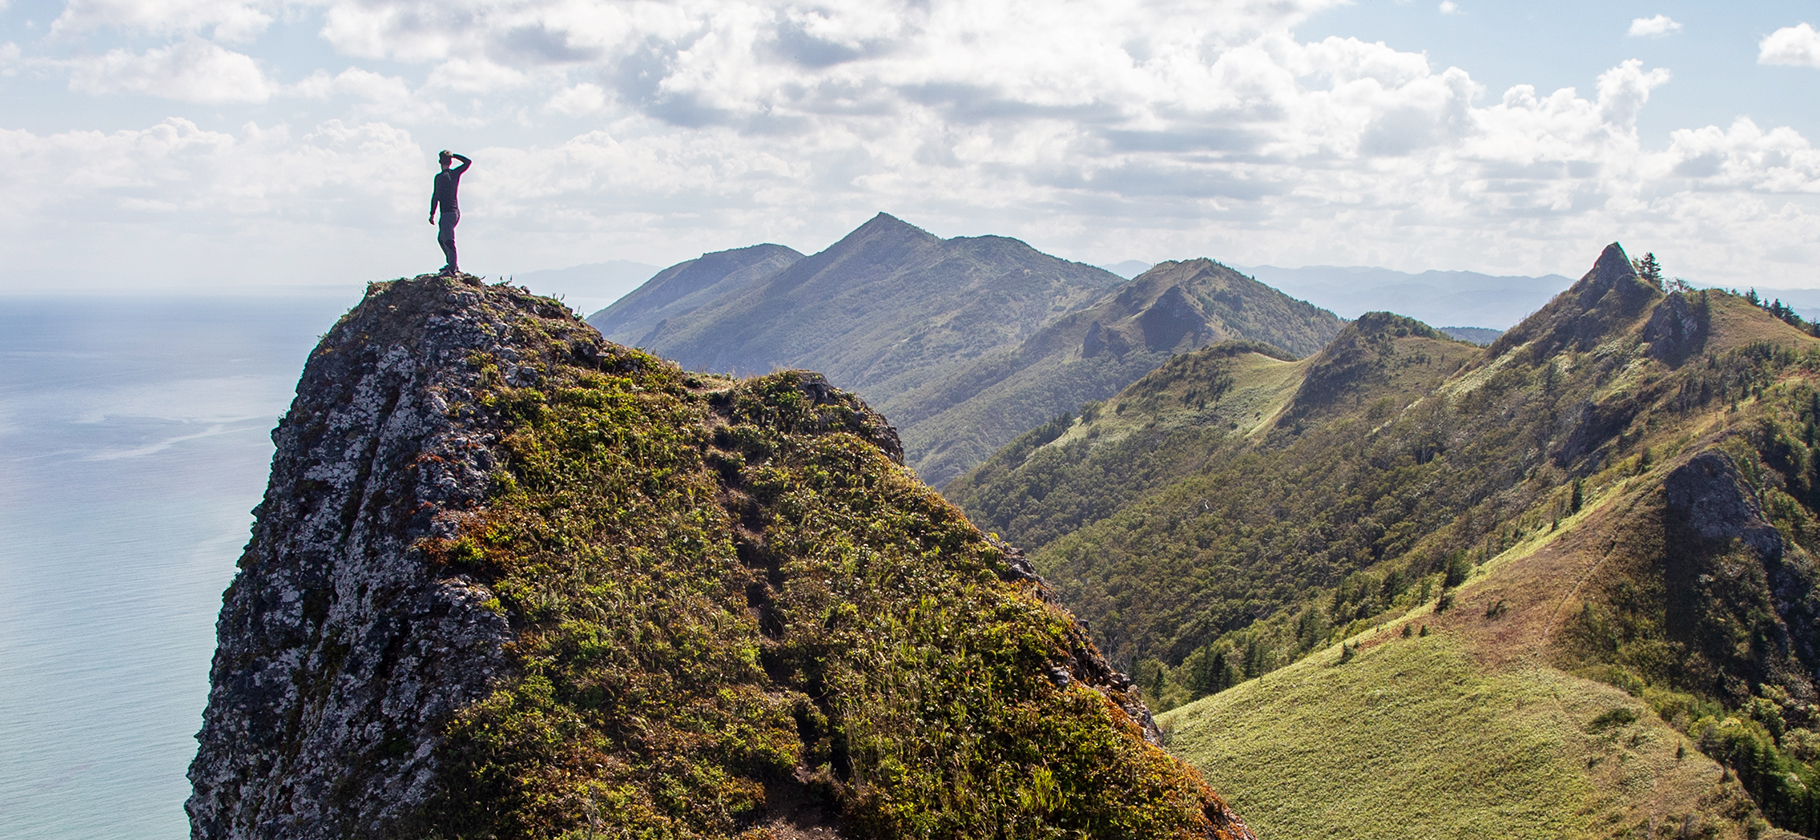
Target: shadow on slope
x,y
958,420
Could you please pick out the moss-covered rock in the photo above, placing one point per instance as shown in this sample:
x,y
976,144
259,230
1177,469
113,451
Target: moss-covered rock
x,y
513,580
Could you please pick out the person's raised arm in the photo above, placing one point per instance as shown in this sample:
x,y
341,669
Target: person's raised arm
x,y
464,163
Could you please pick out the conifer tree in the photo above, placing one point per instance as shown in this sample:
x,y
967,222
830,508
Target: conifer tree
x,y
1648,269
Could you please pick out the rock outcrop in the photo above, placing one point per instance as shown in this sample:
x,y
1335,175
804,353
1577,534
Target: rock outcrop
x,y
1728,567
342,651
512,580
1677,328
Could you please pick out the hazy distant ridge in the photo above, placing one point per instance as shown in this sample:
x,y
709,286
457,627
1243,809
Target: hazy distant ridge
x,y
1457,298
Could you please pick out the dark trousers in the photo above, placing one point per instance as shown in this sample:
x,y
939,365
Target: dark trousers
x,y
445,234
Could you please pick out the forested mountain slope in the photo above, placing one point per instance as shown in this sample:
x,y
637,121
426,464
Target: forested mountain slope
x,y
512,580
883,310
1162,514
958,420
1617,492
966,342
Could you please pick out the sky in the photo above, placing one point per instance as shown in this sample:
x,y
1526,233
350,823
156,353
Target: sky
x,y
266,145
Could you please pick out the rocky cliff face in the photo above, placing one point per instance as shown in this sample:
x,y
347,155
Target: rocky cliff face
x,y
512,580
342,650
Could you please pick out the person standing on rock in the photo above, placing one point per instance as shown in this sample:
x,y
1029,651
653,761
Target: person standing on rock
x,y
447,182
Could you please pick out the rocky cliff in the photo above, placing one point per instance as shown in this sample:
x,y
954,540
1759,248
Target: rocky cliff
x,y
512,580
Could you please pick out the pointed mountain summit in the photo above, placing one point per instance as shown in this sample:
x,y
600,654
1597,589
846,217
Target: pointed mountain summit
x,y
1607,298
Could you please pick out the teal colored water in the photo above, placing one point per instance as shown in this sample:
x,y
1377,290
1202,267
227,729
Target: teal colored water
x,y
134,442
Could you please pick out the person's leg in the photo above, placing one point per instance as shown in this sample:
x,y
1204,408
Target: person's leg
x,y
445,236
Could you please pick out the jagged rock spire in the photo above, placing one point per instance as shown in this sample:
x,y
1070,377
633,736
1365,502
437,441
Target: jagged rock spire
x,y
1613,265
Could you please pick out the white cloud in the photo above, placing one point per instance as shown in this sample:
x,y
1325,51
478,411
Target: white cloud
x,y
565,32
460,74
177,165
191,71
578,101
1150,126
375,95
1743,157
1653,27
1449,7
1793,45
232,20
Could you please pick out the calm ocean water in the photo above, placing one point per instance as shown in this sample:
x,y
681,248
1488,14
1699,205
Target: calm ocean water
x,y
134,441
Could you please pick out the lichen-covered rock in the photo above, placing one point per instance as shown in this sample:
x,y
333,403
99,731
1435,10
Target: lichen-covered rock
x,y
512,580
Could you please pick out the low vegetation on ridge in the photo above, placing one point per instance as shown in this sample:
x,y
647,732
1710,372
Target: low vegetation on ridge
x,y
1526,502
736,615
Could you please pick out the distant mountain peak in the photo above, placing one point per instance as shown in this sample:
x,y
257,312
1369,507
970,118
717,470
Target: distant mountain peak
x,y
885,224
1605,299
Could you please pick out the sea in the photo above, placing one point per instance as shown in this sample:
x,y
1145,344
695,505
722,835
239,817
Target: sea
x,y
135,440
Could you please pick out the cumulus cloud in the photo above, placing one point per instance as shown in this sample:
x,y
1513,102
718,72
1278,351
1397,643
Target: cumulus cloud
x,y
191,71
1449,7
230,20
1798,46
1653,27
1743,157
1162,127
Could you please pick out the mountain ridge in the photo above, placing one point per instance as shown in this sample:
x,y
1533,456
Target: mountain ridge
x,y
680,288
978,338
1091,353
1516,504
507,573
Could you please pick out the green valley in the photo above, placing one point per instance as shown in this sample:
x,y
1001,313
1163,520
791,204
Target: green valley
x,y
1557,586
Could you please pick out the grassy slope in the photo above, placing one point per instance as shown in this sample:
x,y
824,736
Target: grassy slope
x,y
739,615
1087,467
1417,738
1472,730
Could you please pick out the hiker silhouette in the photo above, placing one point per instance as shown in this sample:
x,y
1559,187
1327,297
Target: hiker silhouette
x,y
448,181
